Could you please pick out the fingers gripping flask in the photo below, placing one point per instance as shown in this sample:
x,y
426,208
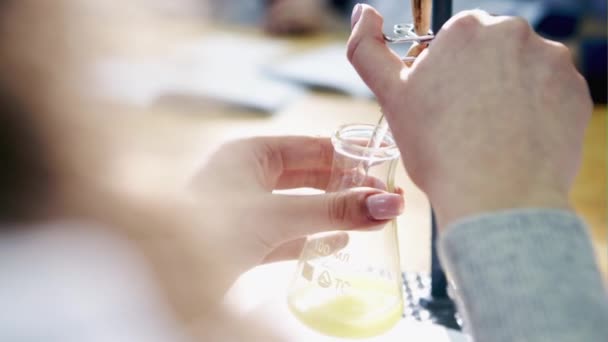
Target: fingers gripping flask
x,y
348,284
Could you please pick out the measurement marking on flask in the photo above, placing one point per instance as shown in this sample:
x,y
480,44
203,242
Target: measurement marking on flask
x,y
322,248
342,256
324,280
342,285
307,271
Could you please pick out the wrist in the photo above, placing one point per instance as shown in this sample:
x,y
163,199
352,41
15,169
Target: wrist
x,y
451,207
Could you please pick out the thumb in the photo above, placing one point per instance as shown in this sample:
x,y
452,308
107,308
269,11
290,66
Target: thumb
x,y
355,208
375,62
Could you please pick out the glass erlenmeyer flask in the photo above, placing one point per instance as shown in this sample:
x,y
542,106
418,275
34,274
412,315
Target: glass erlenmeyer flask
x,y
352,287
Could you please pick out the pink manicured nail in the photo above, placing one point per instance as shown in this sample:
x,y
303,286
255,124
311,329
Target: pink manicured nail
x,y
356,15
384,206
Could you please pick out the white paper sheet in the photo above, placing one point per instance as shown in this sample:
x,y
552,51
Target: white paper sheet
x,y
225,67
325,67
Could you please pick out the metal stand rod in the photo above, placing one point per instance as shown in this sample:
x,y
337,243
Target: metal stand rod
x,y
441,12
439,283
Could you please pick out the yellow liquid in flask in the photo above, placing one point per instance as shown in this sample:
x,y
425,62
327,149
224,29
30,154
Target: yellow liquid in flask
x,y
369,308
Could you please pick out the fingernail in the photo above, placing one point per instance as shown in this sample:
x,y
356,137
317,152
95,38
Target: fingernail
x,y
354,18
384,206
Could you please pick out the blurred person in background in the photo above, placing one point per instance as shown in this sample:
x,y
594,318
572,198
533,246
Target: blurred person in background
x,y
88,253
305,17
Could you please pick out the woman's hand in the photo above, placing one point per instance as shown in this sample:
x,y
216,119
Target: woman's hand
x,y
252,224
490,117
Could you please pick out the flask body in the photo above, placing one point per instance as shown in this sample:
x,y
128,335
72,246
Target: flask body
x,y
348,284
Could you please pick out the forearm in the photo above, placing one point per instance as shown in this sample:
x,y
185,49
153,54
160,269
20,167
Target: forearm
x,y
526,275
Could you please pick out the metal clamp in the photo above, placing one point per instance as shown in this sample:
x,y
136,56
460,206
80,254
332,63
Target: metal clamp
x,y
404,33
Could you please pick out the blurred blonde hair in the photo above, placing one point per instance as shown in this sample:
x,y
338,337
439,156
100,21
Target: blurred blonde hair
x,y
55,138
32,58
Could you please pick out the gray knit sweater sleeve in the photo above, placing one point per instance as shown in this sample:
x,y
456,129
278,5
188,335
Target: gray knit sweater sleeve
x,y
526,275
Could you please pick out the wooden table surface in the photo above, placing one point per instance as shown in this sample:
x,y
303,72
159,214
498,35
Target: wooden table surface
x,y
591,189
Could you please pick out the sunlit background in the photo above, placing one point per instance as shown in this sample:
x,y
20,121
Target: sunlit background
x,y
191,74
